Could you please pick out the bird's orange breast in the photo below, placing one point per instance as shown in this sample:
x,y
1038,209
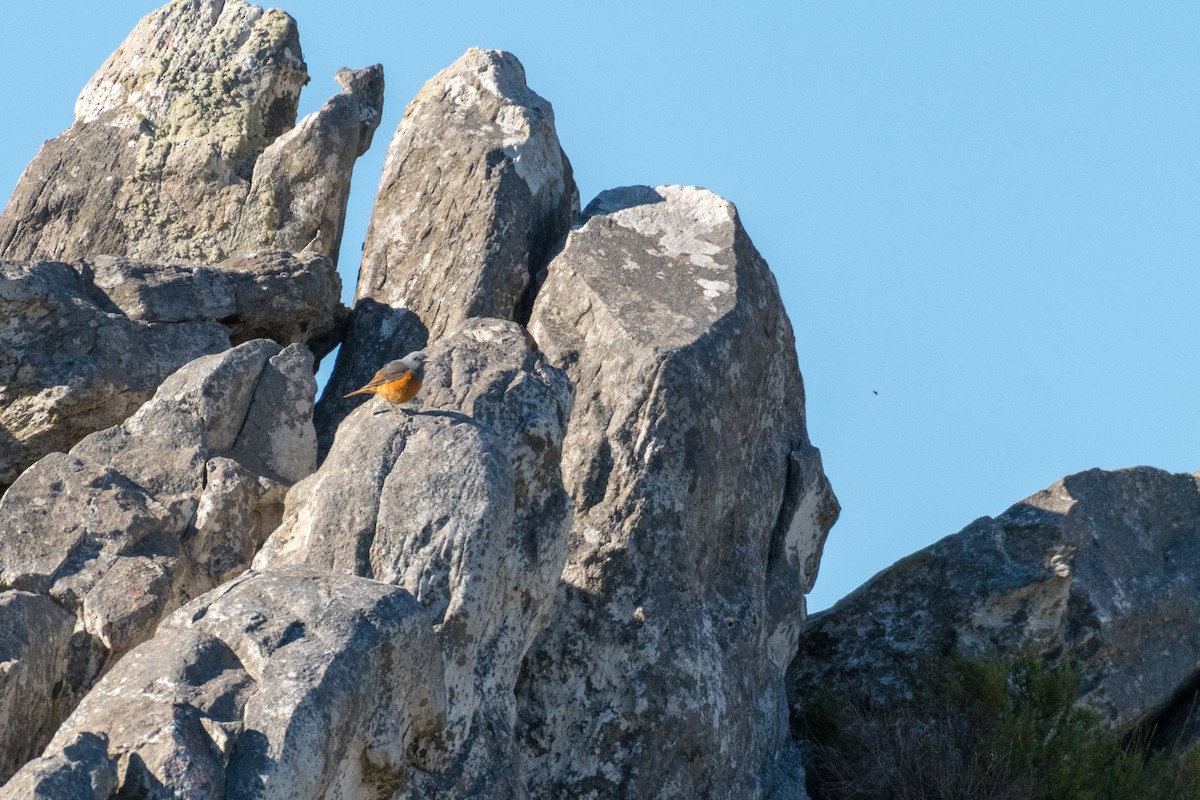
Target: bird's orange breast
x,y
400,390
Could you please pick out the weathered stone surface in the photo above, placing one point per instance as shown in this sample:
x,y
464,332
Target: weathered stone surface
x,y
293,684
460,501
288,297
35,640
143,516
185,147
699,510
80,770
70,364
476,190
1099,569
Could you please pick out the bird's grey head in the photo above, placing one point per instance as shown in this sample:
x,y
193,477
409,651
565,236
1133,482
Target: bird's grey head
x,y
416,362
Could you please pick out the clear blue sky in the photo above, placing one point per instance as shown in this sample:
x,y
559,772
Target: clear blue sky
x,y
988,213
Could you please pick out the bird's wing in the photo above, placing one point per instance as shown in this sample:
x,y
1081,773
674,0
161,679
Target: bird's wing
x,y
387,375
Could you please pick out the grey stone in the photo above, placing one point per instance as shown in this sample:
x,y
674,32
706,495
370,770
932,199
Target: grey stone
x,y
475,193
1099,569
288,297
79,770
71,364
139,518
293,684
185,146
700,509
35,640
459,500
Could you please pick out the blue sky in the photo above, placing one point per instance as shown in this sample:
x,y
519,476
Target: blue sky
x,y
987,213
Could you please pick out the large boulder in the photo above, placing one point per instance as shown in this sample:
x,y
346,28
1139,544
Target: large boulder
x,y
185,147
293,684
139,518
1100,569
700,509
476,190
459,500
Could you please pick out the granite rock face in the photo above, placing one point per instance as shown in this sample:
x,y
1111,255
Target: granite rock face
x,y
143,516
460,502
288,297
476,190
83,348
699,510
185,147
573,566
298,683
1098,569
72,364
35,641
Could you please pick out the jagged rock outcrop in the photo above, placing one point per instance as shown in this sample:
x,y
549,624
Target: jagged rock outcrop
x,y
476,190
574,566
1099,569
82,349
71,364
139,518
700,509
298,683
459,501
185,147
182,180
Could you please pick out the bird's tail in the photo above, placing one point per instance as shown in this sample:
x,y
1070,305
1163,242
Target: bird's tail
x,y
364,390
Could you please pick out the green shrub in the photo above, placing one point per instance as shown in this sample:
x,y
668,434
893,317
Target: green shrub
x,y
984,729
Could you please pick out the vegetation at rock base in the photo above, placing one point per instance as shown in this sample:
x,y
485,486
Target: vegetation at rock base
x,y
985,729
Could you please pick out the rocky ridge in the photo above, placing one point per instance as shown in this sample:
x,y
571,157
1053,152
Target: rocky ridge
x,y
397,629
574,566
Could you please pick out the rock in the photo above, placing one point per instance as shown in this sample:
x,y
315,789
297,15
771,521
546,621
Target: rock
x,y
270,295
185,147
72,364
700,509
302,180
141,517
460,502
80,770
475,193
35,639
297,683
1098,569
82,355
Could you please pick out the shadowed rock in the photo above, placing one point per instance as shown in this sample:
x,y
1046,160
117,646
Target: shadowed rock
x,y
35,642
459,501
700,510
288,297
79,356
475,192
296,683
143,516
71,364
185,147
1073,573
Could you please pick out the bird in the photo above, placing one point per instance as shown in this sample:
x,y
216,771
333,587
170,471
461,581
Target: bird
x,y
398,381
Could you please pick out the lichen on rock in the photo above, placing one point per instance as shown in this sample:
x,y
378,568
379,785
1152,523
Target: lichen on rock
x,y
192,150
